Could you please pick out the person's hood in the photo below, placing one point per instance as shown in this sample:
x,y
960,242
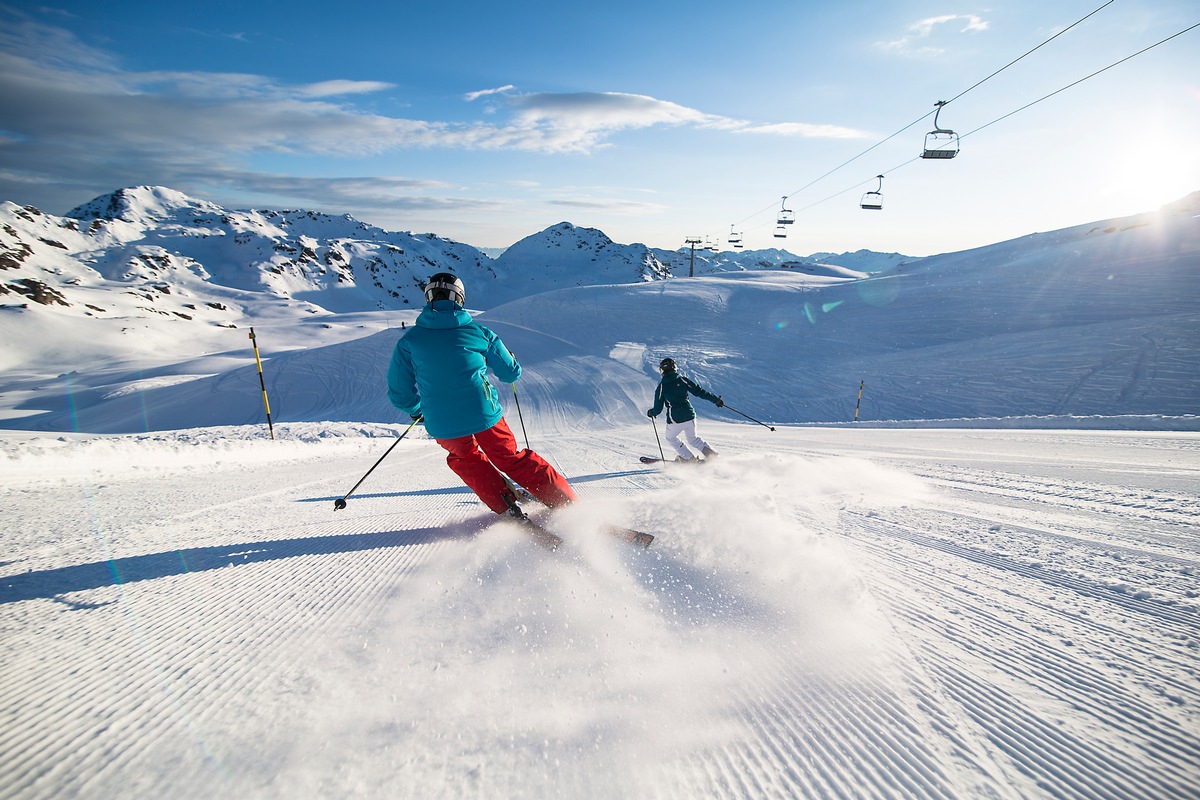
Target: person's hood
x,y
443,314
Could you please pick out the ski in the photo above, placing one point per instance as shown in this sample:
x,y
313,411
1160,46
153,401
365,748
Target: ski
x,y
638,538
545,538
551,540
653,460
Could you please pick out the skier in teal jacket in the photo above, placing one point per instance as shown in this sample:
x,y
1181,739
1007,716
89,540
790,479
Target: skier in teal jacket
x,y
438,373
672,394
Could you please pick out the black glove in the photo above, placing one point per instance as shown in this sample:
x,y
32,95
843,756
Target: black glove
x,y
650,414
418,418
720,403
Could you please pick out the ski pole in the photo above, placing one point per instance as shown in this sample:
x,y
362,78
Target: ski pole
x,y
747,416
521,418
661,454
340,503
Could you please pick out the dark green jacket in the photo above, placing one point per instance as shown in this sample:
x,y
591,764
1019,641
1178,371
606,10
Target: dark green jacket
x,y
672,392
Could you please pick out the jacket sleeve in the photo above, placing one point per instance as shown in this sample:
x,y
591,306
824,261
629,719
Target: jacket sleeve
x,y
699,391
402,382
501,362
658,401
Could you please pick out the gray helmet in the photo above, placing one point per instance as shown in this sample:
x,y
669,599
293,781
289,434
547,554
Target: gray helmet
x,y
445,286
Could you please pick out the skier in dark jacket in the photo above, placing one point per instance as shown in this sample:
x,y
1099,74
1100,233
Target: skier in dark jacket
x,y
672,394
438,372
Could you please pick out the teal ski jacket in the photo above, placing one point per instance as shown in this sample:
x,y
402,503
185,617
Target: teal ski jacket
x,y
672,392
439,371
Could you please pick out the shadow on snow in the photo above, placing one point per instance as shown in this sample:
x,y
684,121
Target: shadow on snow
x,y
51,583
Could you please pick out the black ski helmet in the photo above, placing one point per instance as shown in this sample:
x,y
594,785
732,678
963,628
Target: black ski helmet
x,y
667,365
450,284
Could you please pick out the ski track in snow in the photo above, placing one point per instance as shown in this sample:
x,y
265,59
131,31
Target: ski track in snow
x,y
825,614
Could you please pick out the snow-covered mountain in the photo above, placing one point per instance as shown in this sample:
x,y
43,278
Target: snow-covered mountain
x,y
566,255
152,269
863,260
175,255
1098,320
152,241
827,611
706,261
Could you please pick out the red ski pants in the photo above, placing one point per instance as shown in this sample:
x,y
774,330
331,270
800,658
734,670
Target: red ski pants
x,y
479,460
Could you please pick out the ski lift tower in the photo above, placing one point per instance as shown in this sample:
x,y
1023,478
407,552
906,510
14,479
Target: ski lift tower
x,y
692,241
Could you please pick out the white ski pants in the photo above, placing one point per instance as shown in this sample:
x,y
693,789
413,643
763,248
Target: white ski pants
x,y
687,432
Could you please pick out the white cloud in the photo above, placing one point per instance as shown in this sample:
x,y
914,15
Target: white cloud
x,y
596,111
581,120
342,87
367,196
619,207
914,41
807,130
472,96
74,118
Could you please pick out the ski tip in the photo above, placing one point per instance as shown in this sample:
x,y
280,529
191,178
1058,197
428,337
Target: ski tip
x,y
637,538
548,540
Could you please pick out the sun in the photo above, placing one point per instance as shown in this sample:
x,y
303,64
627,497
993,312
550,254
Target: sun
x,y
1155,169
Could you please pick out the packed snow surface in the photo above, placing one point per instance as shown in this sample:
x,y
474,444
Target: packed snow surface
x,y
825,613
966,599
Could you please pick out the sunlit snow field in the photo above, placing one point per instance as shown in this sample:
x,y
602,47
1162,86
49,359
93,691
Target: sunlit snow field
x,y
987,587
921,613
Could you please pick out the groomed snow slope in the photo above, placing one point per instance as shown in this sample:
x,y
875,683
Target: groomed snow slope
x,y
827,613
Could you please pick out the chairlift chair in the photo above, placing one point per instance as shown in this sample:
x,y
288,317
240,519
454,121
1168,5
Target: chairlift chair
x,y
940,142
873,201
735,239
786,217
781,232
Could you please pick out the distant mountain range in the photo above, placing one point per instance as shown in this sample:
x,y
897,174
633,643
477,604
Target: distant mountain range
x,y
151,251
133,313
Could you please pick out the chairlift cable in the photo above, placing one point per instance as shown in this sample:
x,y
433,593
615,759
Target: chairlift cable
x,y
1081,80
1011,113
1018,58
835,169
976,130
914,122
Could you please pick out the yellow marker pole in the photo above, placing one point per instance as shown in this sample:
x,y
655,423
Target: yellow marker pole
x,y
859,400
262,384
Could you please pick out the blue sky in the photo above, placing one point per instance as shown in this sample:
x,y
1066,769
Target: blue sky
x,y
654,122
